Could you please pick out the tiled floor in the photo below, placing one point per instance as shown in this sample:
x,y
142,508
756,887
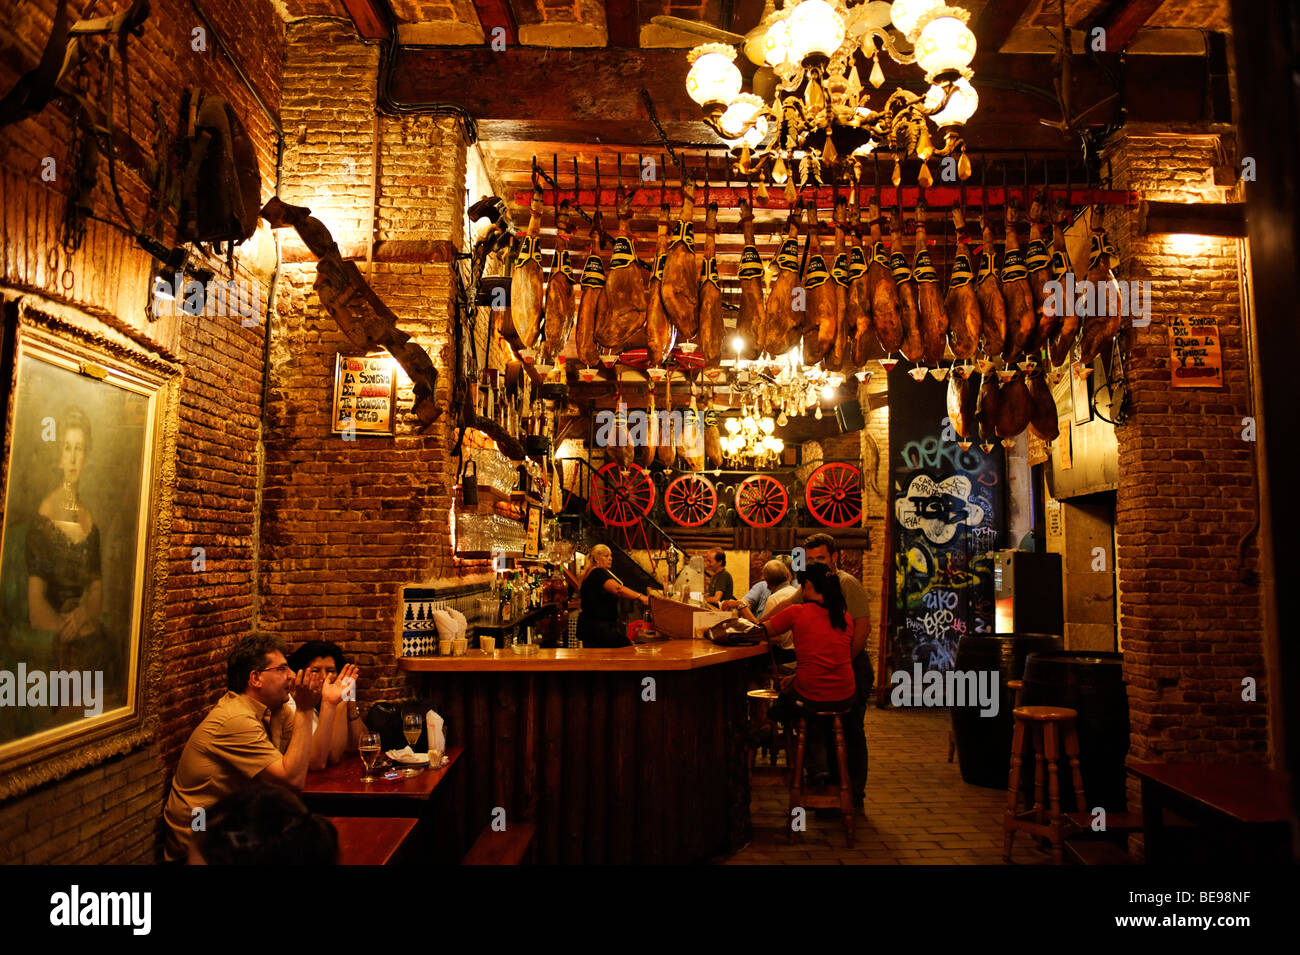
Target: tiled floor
x,y
918,809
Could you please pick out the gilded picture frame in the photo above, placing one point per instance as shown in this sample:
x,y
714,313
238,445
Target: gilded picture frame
x,y
83,564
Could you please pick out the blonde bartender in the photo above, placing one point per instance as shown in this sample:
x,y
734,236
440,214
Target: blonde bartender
x,y
600,591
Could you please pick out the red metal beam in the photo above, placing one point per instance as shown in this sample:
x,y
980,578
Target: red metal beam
x,y
369,18
1121,19
937,197
497,13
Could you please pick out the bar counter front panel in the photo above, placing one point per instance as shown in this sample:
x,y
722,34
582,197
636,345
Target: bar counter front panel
x,y
572,740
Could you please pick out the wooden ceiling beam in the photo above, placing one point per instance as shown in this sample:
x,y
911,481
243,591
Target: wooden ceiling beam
x,y
996,21
370,17
592,95
623,24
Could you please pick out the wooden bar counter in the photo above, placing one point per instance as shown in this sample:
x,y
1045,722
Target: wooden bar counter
x,y
618,756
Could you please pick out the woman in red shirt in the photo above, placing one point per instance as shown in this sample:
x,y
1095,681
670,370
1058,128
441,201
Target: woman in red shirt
x,y
823,638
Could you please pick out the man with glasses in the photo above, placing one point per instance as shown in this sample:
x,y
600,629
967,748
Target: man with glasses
x,y
232,747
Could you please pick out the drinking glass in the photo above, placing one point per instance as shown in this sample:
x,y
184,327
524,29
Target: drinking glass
x,y
411,724
369,747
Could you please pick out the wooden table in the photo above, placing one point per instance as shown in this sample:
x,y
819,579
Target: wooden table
x,y
370,840
339,788
337,791
1233,796
617,756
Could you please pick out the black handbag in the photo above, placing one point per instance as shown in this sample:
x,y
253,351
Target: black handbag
x,y
734,633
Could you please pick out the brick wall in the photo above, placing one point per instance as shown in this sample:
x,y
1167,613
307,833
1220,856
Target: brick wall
x,y
1187,493
346,523
109,812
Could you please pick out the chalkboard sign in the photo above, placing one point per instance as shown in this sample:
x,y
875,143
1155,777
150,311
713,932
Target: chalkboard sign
x,y
947,516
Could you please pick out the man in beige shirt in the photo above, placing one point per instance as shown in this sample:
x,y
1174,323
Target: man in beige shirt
x,y
232,746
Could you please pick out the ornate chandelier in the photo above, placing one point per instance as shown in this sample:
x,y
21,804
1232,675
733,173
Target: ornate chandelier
x,y
816,113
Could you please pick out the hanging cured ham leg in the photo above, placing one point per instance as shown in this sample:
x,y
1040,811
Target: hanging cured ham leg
x,y
1038,258
1022,320
929,300
819,298
659,330
911,346
1014,409
840,357
963,393
1067,318
750,319
986,410
710,294
1042,407
988,292
857,306
784,324
625,287
680,288
593,306
560,296
963,309
526,281
882,289
1104,324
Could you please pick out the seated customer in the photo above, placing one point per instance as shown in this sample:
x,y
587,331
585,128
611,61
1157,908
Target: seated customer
x,y
264,825
823,639
232,747
765,598
325,658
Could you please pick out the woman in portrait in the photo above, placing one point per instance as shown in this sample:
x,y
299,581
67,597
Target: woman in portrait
x,y
65,592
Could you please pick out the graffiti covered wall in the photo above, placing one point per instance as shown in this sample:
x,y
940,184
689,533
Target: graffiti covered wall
x,y
947,515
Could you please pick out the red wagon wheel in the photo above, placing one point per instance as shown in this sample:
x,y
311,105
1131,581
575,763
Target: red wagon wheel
x,y
834,494
625,495
761,500
690,500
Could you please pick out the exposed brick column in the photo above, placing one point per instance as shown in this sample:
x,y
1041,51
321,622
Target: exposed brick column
x,y
1191,629
347,523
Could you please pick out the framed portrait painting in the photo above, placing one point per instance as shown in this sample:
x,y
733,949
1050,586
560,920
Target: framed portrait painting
x,y
81,567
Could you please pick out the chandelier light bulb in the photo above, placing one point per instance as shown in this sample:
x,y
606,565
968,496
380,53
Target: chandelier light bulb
x,y
732,425
945,45
768,425
828,391
713,79
737,116
961,104
776,43
906,13
737,344
874,15
815,30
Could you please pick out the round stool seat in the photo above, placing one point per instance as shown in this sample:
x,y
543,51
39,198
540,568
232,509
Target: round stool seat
x,y
1045,714
761,694
1015,684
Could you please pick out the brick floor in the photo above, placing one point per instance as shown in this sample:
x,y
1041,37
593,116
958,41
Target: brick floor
x,y
918,809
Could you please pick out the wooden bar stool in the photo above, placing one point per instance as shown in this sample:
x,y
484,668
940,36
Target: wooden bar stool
x,y
1018,688
760,701
1049,728
798,794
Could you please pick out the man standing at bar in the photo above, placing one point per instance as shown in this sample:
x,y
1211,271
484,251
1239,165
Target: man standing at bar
x,y
822,549
232,746
720,587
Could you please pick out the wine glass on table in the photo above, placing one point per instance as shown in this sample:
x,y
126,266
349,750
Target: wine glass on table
x,y
411,724
369,748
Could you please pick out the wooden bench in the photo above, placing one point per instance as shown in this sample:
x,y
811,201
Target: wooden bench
x,y
371,840
501,848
